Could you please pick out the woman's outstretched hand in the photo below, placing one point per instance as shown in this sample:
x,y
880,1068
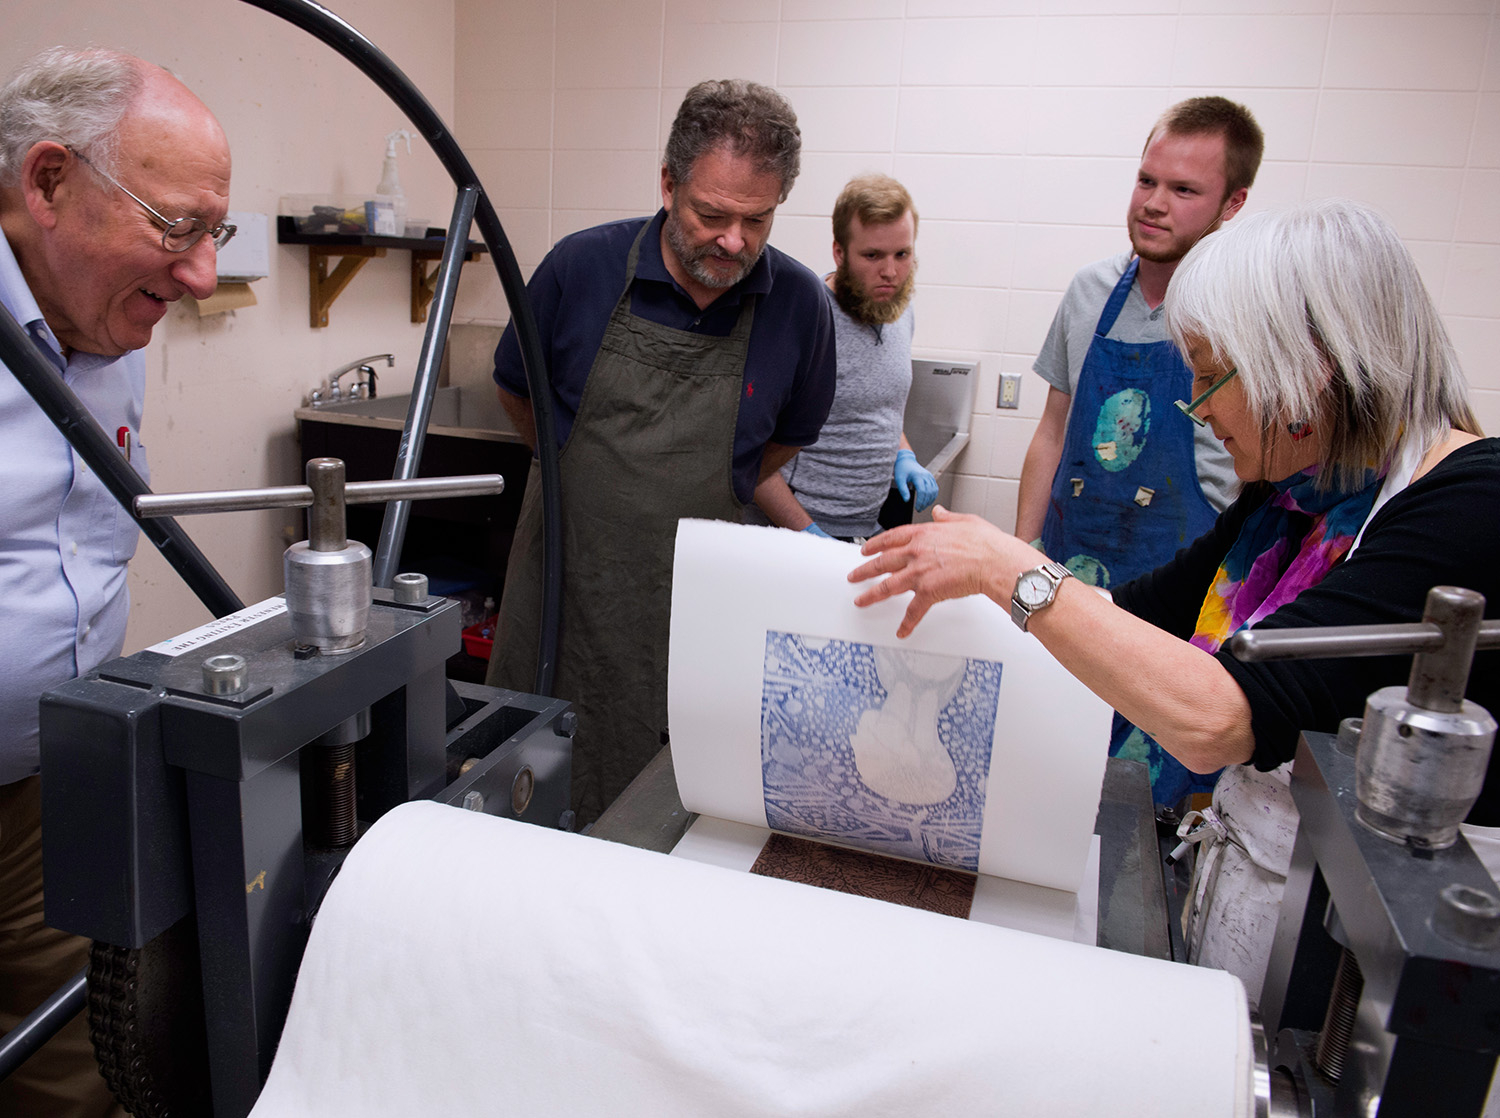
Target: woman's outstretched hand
x,y
954,556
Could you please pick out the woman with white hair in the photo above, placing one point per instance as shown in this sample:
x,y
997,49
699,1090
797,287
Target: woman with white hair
x,y
1321,363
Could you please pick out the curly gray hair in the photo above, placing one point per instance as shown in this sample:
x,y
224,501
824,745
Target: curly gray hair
x,y
75,97
748,118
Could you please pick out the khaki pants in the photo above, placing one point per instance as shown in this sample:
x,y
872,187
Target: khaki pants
x,y
62,1079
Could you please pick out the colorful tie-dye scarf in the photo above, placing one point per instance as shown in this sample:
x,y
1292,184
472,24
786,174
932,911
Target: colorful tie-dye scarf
x,y
1285,546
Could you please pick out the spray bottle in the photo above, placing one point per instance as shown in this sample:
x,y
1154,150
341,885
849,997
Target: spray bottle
x,y
390,184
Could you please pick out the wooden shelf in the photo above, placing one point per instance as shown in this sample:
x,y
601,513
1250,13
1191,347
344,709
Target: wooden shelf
x,y
352,251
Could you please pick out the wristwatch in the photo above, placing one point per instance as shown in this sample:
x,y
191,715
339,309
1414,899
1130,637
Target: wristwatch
x,y
1036,589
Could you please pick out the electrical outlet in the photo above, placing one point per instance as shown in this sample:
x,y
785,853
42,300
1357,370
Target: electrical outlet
x,y
1010,391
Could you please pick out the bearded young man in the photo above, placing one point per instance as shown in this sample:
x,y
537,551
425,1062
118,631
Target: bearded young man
x,y
1115,481
837,486
687,360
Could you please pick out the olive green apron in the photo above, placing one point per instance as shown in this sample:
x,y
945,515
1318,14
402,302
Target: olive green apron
x,y
653,441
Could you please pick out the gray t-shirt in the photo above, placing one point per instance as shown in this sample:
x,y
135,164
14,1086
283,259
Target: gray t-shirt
x,y
843,478
1072,332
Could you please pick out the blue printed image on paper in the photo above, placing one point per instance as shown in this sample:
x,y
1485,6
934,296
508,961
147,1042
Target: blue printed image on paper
x,y
880,748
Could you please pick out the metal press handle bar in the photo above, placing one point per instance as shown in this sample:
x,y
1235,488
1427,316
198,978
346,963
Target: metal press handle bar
x,y
329,29
1349,640
414,434
301,496
1444,643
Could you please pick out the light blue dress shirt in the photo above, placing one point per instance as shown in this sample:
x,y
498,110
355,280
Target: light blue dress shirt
x,y
64,541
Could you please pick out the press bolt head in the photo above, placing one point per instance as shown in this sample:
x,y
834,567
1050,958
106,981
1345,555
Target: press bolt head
x,y
225,674
411,589
473,800
1468,916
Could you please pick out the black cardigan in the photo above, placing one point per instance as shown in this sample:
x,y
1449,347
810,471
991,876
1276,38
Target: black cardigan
x,y
1441,530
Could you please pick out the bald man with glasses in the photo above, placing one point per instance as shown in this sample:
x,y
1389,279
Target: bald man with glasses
x,y
114,186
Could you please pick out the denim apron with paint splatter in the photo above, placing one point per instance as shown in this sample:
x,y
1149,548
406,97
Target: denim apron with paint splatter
x,y
1126,493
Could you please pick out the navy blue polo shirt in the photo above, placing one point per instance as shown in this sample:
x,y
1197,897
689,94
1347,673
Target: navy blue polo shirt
x,y
790,370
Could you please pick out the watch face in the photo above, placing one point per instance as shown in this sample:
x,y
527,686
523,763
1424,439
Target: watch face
x,y
1032,589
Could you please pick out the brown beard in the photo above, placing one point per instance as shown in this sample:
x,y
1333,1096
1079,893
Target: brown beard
x,y
860,307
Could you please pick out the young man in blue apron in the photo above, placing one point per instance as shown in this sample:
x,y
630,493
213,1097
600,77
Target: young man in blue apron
x,y
1116,479
688,361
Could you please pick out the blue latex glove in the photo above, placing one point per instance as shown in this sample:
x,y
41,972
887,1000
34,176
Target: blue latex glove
x,y
813,530
910,477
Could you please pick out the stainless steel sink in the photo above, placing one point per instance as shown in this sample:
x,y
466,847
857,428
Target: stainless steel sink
x,y
462,412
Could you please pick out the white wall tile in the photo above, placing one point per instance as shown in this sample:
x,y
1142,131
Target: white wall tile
x,y
1409,51
1261,7
1468,7
995,51
1286,117
516,179
1047,256
1422,202
968,494
975,457
1000,504
1249,50
1485,148
806,239
1102,50
963,318
593,119
1076,122
507,60
1473,285
1491,79
848,118
520,118
483,20
962,121
1068,191
1277,184
952,9
722,11
823,177
1415,129
1011,436
1431,258
1031,314
694,52
1477,341
1487,410
610,55
841,9
529,232
964,253
1479,212
606,180
828,52
962,187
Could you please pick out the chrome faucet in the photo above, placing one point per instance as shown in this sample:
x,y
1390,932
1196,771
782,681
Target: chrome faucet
x,y
364,365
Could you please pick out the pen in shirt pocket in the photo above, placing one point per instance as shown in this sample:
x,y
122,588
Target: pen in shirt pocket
x,y
125,440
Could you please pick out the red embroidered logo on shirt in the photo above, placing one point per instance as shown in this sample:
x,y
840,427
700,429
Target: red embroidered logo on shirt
x,y
750,388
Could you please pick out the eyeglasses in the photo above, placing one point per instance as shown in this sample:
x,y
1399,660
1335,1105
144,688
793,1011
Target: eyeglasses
x,y
177,234
1191,410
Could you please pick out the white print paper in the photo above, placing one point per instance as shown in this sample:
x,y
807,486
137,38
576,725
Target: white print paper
x,y
787,706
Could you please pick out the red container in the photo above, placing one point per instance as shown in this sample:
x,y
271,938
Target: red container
x,y
479,637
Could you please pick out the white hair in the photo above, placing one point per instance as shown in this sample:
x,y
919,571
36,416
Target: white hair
x,y
75,97
1321,309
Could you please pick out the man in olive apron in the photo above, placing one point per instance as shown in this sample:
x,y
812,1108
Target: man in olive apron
x,y
1116,479
688,360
